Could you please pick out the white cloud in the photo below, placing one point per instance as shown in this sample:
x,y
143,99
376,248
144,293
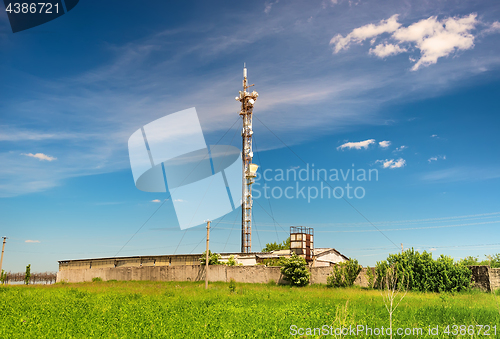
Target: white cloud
x,y
360,34
434,136
494,27
384,50
179,200
443,157
357,145
432,37
437,39
40,156
156,200
392,163
384,144
32,241
400,149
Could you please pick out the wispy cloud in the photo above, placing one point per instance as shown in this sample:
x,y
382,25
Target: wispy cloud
x,y
40,156
309,92
462,173
400,149
442,157
269,5
32,241
156,200
391,163
357,145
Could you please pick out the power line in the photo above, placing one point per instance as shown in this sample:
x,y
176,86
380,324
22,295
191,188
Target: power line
x,y
187,176
208,187
361,214
269,199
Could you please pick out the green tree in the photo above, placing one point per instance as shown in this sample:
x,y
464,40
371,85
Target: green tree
x,y
27,275
344,273
470,261
274,246
494,260
295,270
3,276
213,258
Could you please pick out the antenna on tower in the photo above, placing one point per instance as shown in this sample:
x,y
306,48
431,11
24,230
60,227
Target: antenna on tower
x,y
249,169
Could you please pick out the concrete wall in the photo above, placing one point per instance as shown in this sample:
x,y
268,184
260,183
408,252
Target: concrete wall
x,y
481,277
484,277
249,274
494,278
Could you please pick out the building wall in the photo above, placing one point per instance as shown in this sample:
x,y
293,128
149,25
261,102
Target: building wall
x,y
173,260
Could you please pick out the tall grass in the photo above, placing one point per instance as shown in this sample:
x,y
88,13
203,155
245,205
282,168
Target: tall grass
x,y
186,310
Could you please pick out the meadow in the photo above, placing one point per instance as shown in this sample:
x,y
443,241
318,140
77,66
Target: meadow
x,y
138,309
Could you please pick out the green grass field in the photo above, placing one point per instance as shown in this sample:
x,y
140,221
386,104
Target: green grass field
x,y
186,310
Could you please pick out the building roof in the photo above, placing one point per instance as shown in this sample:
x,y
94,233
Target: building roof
x,y
319,252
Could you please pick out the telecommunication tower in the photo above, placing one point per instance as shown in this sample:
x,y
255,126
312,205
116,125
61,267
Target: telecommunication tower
x,y
249,169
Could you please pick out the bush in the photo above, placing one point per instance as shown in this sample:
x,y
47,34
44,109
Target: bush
x,y
27,275
494,260
344,274
213,258
425,274
3,276
232,285
371,277
231,261
295,270
96,279
271,262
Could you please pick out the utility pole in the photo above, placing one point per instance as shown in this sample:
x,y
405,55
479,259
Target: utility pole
x,y
247,101
3,250
206,256
402,250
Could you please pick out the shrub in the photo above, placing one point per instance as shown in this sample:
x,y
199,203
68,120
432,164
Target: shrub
x,y
96,279
271,262
27,275
3,276
344,274
494,260
213,258
425,274
231,261
371,277
232,285
295,270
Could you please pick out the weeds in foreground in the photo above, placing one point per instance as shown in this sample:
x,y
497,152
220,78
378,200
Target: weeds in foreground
x,y
394,291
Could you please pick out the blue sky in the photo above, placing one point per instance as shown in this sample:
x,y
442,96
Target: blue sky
x,y
406,88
